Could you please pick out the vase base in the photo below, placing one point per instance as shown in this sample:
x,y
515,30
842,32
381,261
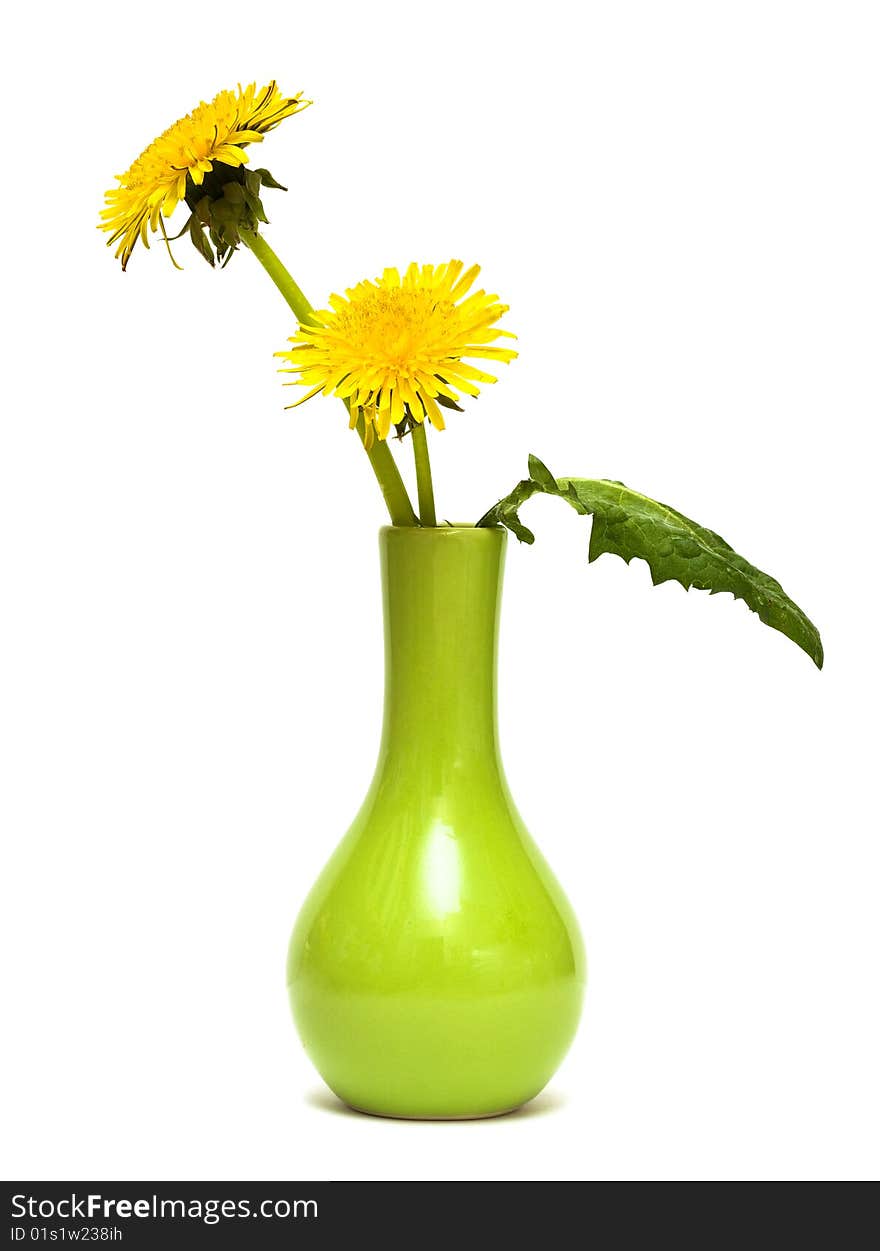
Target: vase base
x,y
401,1116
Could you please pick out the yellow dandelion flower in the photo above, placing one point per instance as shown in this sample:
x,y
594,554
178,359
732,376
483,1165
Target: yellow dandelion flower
x,y
187,151
394,348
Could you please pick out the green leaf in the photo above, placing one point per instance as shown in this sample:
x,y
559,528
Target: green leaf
x,y
540,480
629,524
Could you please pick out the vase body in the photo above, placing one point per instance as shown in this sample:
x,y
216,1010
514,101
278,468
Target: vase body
x,y
436,968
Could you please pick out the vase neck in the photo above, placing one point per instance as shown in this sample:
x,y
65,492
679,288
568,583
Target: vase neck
x,y
441,593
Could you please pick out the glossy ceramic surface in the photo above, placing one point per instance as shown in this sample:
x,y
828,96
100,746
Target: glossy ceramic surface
x,y
436,969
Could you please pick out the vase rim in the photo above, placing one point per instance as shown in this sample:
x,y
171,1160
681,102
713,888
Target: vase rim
x,y
445,531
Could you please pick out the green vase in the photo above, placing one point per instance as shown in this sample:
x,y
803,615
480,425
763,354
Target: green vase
x,y
436,969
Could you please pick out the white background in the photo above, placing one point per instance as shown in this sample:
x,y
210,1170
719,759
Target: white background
x,y
680,203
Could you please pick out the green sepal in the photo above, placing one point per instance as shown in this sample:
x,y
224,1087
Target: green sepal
x,y
199,239
445,402
628,524
267,180
226,204
255,204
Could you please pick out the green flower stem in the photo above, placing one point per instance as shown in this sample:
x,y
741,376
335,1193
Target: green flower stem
x,y
427,514
302,309
384,467
388,476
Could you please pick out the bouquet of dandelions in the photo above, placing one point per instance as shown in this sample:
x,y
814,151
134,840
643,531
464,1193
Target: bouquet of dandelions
x,y
396,351
436,968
